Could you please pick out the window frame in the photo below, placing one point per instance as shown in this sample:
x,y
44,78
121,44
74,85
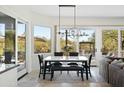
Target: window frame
x,y
26,30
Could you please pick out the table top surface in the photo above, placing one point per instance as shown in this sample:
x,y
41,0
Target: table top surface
x,y
66,58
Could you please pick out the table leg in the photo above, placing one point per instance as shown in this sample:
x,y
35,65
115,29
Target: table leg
x,y
45,70
86,70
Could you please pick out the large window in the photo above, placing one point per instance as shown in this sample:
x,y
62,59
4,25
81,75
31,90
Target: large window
x,y
122,39
7,39
110,41
2,40
71,43
42,39
87,41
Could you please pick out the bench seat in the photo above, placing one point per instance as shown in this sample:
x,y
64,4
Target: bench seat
x,y
66,68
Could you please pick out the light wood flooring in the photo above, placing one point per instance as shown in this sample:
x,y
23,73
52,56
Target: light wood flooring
x,y
63,80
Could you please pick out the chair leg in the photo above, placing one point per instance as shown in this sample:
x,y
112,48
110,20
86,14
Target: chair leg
x,y
39,73
52,74
90,72
67,72
49,70
82,75
78,73
61,72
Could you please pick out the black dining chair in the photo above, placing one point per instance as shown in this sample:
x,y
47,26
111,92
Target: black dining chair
x,y
89,65
58,53
58,63
73,54
42,67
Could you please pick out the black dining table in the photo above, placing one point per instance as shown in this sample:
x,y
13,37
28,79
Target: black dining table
x,y
82,59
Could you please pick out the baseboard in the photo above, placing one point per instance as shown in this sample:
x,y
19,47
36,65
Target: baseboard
x,y
22,76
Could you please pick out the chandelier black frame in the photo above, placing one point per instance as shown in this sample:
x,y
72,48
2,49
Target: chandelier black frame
x,y
72,32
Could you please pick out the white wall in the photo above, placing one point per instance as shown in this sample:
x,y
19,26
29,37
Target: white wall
x,y
40,21
36,19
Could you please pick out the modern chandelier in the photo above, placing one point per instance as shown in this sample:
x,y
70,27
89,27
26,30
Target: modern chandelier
x,y
72,32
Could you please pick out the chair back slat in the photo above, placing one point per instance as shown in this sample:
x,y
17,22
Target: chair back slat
x,y
40,57
58,53
90,57
73,53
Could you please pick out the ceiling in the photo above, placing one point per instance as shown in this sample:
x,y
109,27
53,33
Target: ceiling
x,y
81,10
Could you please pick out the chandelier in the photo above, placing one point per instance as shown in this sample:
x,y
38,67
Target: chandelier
x,y
72,32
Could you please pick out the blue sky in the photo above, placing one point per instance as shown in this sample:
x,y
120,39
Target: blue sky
x,y
21,29
2,29
40,31
87,31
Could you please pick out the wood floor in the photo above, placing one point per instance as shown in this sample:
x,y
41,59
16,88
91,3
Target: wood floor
x,y
63,80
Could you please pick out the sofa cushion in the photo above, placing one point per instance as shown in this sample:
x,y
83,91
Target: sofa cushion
x,y
118,63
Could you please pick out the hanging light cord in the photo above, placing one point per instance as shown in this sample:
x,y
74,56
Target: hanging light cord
x,y
59,19
74,17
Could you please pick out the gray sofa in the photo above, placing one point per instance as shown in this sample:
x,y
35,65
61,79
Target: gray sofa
x,y
112,72
116,75
104,68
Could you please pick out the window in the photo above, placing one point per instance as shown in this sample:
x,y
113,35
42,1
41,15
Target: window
x,y
110,41
21,44
2,40
7,39
87,41
71,43
42,39
122,39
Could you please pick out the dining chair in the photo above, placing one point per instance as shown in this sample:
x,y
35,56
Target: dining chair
x,y
58,53
73,54
89,65
58,63
42,67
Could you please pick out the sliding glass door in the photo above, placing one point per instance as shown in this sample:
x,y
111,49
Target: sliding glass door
x,y
7,39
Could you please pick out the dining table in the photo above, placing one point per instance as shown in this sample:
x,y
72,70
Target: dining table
x,y
82,59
